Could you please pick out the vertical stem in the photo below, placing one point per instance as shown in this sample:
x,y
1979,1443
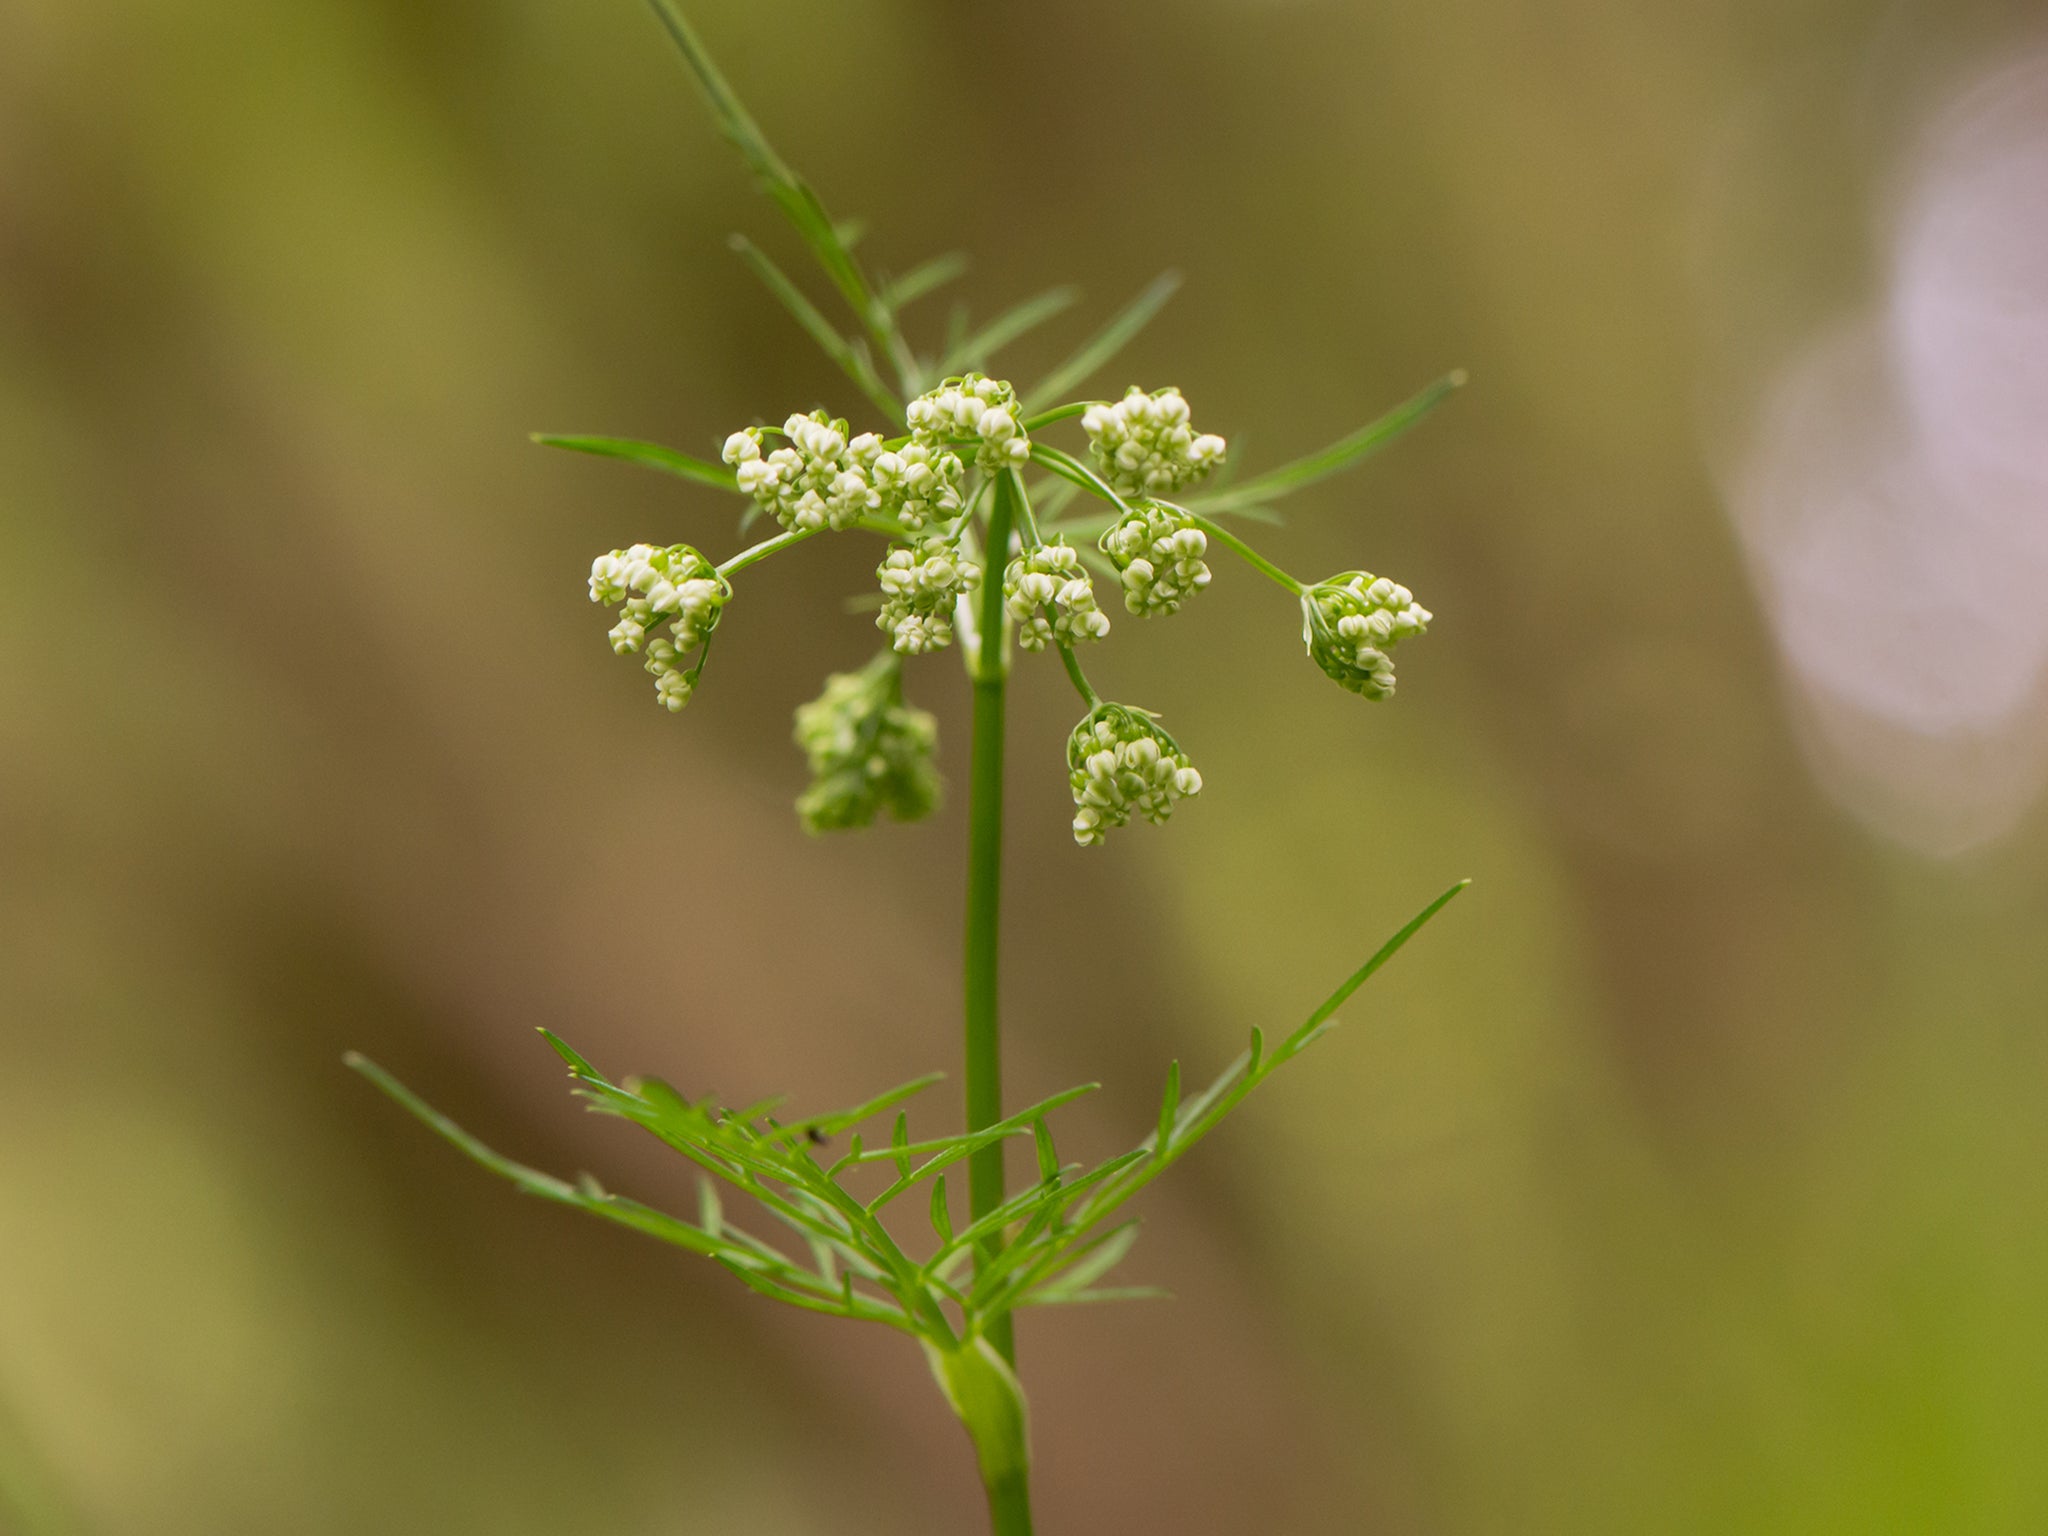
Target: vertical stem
x,y
985,1394
984,1066
1009,1506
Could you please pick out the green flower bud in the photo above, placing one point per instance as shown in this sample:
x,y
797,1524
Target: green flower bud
x,y
868,750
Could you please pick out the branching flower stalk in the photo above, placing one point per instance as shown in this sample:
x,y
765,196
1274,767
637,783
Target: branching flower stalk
x,y
994,536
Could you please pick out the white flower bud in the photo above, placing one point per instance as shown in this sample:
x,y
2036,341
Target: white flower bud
x,y
607,579
679,583
1051,576
1352,622
673,690
920,585
1158,554
1143,443
973,406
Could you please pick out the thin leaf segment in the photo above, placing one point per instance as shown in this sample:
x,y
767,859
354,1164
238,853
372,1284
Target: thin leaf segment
x,y
1051,1243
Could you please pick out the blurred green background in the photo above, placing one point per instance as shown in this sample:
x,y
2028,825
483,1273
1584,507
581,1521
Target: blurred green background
x,y
1689,1176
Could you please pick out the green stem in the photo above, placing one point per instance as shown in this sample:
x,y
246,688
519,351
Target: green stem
x,y
1244,551
764,549
1078,678
754,554
984,1067
1058,413
1067,467
983,1391
1009,1505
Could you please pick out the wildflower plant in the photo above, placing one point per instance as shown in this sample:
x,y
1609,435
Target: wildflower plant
x,y
993,535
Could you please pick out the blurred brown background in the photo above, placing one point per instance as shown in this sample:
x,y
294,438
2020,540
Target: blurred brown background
x,y
1687,1177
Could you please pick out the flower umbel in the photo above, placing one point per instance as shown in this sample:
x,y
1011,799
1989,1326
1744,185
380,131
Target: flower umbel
x,y
868,750
920,584
1144,444
1351,624
978,408
1158,554
817,479
651,586
1052,576
1121,763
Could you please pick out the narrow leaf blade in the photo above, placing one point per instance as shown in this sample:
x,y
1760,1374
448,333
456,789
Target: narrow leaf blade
x,y
1096,352
1341,455
853,360
1007,327
1048,1158
836,1121
670,461
1094,1259
1359,977
1169,1103
925,277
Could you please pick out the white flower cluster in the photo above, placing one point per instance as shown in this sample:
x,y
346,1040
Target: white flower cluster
x,y
1120,764
978,407
919,483
652,586
1052,574
920,584
817,479
868,750
1351,622
1143,443
1158,554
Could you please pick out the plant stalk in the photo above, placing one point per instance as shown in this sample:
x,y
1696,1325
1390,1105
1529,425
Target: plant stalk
x,y
984,1066
984,1393
1009,1504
